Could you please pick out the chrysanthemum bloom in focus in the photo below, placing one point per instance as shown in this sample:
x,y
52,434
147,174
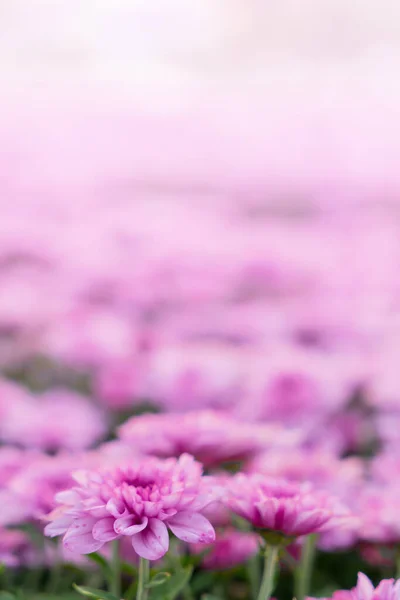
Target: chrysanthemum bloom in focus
x,y
212,437
141,501
281,511
388,589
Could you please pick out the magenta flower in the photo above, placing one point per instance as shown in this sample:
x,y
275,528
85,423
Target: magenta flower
x,y
141,501
212,437
388,589
280,507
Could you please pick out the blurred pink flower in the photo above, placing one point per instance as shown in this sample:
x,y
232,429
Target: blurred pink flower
x,y
118,384
377,507
15,548
141,501
212,437
231,548
388,589
12,461
57,419
277,506
323,469
200,374
90,336
36,485
296,386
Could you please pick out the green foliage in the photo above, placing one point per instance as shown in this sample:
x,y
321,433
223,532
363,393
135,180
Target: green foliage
x,y
95,594
158,579
173,586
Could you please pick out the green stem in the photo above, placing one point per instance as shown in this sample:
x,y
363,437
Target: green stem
x,y
397,562
144,574
270,564
115,580
254,573
304,570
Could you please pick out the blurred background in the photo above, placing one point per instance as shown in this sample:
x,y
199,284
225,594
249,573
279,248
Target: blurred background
x,y
199,200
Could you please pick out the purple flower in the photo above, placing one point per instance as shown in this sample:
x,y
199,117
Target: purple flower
x,y
277,506
212,437
141,501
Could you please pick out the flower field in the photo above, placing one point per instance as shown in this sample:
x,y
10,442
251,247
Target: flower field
x,y
196,399
199,305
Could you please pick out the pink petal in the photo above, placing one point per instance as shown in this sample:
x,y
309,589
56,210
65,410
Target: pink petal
x,y
127,526
57,527
79,537
67,497
153,542
192,527
116,508
364,588
267,509
103,530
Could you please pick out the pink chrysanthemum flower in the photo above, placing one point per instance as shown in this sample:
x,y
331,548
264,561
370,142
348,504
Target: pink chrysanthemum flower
x,y
279,507
141,501
212,437
388,589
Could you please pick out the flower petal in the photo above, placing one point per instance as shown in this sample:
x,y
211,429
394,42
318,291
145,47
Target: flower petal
x,y
192,527
79,537
153,542
364,588
127,526
58,526
104,531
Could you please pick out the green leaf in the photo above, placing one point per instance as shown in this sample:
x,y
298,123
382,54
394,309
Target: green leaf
x,y
158,579
128,569
93,593
99,560
174,585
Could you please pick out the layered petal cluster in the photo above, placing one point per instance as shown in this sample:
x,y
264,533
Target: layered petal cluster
x,y
288,509
212,437
141,500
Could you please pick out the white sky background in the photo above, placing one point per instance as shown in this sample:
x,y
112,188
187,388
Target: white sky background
x,y
294,82
196,41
